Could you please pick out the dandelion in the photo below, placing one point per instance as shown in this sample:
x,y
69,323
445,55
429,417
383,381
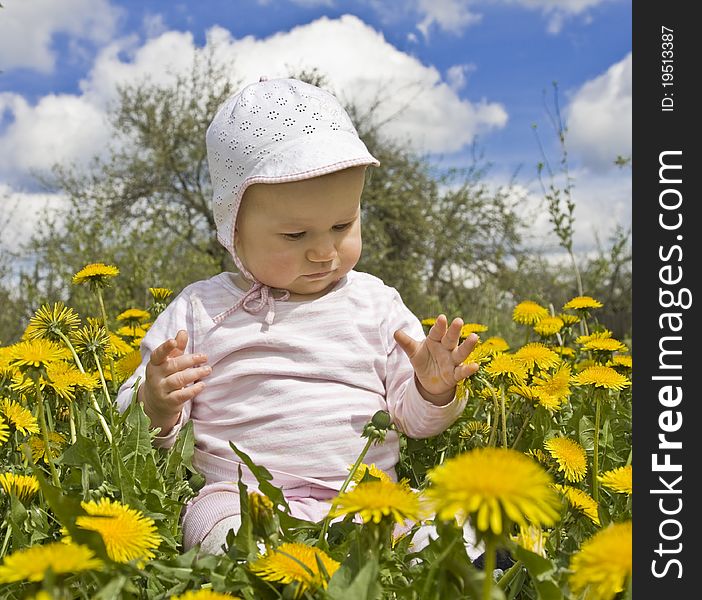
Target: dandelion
x,y
549,326
582,303
481,354
30,564
126,365
374,500
621,360
568,320
134,316
6,367
523,390
204,595
128,534
91,341
372,470
605,345
504,486
570,456
537,355
508,366
565,351
4,431
528,313
604,563
56,444
22,486
469,328
472,428
18,416
532,538
618,480
118,347
496,344
553,390
37,353
160,294
597,335
261,513
295,563
580,501
63,378
52,322
539,455
97,275
603,377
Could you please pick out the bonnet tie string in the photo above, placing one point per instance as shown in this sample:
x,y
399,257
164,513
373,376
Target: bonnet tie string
x,y
258,296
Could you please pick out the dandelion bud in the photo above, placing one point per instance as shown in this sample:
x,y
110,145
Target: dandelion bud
x,y
378,426
261,513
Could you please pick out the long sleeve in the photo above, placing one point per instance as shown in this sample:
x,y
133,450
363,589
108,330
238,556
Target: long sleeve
x,y
411,413
175,317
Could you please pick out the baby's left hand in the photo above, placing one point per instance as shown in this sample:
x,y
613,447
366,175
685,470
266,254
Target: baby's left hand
x,y
438,359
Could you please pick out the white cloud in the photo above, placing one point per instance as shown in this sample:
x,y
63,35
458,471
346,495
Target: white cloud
x,y
27,29
558,11
457,76
599,117
452,16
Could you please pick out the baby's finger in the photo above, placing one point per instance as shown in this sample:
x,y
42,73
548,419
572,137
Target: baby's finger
x,y
463,371
180,397
409,345
161,353
463,351
438,329
453,334
181,363
181,379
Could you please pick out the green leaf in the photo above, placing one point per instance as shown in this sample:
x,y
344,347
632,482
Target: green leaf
x,y
263,477
83,451
364,587
137,443
542,572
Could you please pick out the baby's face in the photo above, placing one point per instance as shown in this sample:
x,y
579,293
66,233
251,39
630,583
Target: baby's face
x,y
302,236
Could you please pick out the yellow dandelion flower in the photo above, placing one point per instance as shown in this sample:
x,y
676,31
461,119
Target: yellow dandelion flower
x,y
603,565
134,316
582,303
160,294
128,534
471,428
374,500
4,431
261,513
30,564
51,322
118,347
570,456
469,328
618,480
596,335
549,326
621,360
63,378
532,538
131,331
92,339
56,444
601,376
295,563
505,485
372,469
539,455
481,354
429,322
581,365
605,345
528,313
496,344
6,367
22,486
95,274
565,351
508,366
37,353
568,320
580,501
204,595
553,389
537,355
126,365
22,419
523,390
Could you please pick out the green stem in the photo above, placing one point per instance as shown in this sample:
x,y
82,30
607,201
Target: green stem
x,y
44,432
504,418
489,566
349,478
523,428
6,541
107,328
596,449
72,422
509,575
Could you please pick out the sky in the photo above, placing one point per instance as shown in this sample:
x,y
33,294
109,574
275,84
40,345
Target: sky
x,y
460,76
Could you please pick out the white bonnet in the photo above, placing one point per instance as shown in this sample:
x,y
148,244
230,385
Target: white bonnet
x,y
275,131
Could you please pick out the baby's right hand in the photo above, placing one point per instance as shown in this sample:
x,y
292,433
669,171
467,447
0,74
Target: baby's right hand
x,y
169,374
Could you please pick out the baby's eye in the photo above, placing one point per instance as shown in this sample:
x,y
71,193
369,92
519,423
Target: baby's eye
x,y
342,226
293,236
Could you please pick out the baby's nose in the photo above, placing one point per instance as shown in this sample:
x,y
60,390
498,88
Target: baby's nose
x,y
322,252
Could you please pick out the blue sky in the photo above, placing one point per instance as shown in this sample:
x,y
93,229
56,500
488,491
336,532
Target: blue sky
x,y
472,71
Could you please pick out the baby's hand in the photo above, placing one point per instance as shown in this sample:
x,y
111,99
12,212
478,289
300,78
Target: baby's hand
x,y
169,374
438,360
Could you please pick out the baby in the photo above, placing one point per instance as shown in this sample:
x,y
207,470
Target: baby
x,y
290,357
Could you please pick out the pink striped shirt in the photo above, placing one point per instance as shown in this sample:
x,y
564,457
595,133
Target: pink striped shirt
x,y
294,395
